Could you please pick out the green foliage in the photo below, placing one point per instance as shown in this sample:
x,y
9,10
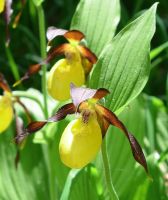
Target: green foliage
x,y
99,25
123,68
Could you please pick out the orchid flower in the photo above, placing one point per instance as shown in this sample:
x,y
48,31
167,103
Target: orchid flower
x,y
82,138
7,110
74,67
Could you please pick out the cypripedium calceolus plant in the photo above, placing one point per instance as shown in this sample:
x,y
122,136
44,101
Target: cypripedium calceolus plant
x,y
7,110
74,67
82,138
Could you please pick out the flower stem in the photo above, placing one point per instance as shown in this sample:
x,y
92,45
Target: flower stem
x,y
41,19
110,186
46,150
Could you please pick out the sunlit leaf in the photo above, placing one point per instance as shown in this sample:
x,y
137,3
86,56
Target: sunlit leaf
x,y
124,65
98,20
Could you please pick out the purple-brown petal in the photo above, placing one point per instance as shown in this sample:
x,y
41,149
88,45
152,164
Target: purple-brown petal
x,y
3,83
34,69
100,93
86,53
37,125
74,35
135,146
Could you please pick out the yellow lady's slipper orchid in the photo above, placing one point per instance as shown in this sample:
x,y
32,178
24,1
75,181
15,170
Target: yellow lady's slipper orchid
x,y
80,142
6,111
82,138
64,72
2,5
74,67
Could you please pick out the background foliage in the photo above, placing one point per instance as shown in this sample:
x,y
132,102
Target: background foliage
x,y
123,68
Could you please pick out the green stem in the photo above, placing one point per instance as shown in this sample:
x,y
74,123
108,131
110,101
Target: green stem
x,y
29,96
41,19
13,65
46,150
112,192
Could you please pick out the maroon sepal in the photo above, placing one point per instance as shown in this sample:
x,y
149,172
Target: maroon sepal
x,y
86,53
53,32
34,69
37,125
3,83
135,146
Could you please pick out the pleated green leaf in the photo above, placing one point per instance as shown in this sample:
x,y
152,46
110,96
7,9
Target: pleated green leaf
x,y
30,179
98,20
124,65
81,184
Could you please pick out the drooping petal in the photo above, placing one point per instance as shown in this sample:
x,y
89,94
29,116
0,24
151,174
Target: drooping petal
x,y
37,125
135,146
87,53
3,83
33,69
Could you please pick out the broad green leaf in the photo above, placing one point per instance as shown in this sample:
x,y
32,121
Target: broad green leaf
x,y
124,65
30,179
81,184
98,20
156,124
145,188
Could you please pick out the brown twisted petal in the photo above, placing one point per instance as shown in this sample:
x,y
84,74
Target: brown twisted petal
x,y
37,125
3,83
87,53
34,69
135,146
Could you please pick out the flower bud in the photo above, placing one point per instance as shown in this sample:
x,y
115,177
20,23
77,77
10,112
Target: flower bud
x,y
6,111
80,142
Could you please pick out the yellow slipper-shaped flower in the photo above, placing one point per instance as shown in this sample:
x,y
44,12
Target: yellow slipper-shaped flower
x,y
80,142
6,111
64,72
